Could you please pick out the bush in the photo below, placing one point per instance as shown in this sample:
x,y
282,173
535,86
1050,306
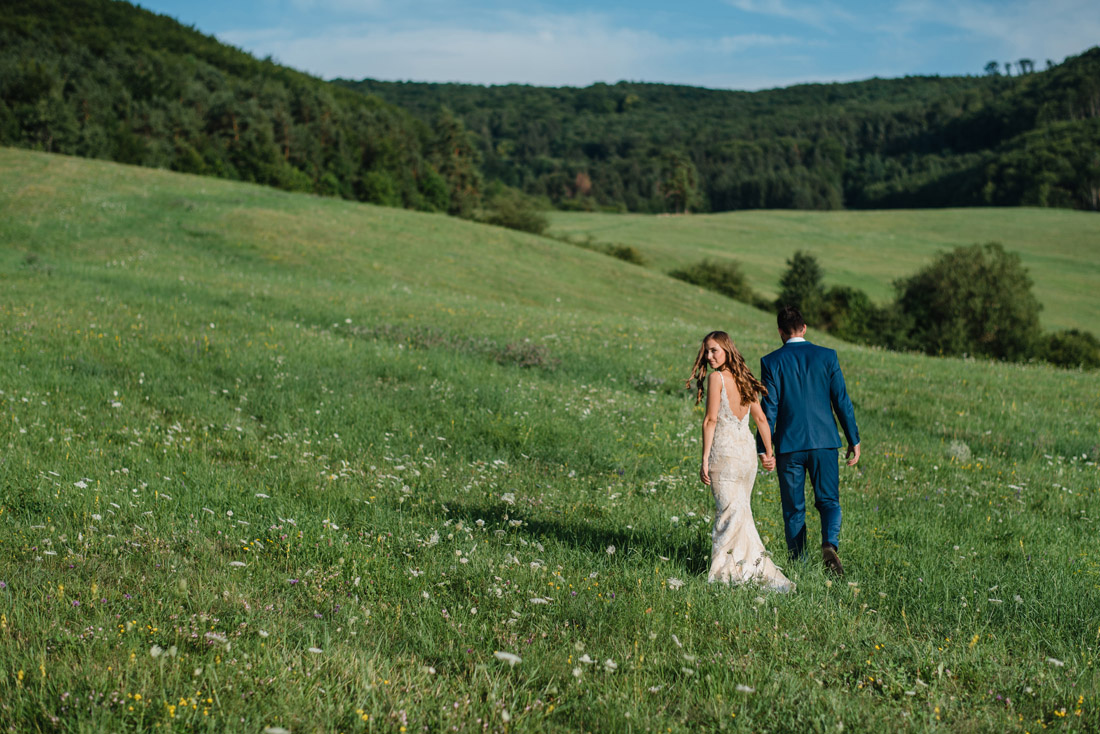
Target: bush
x,y
721,277
972,300
628,253
1072,348
850,315
514,210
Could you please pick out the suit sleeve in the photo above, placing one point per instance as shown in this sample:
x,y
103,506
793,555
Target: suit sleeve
x,y
769,403
842,404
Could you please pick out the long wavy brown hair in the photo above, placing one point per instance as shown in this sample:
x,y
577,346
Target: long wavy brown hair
x,y
747,384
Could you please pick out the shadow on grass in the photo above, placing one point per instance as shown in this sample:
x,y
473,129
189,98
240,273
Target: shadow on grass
x,y
687,551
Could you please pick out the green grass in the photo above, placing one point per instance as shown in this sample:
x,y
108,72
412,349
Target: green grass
x,y
321,457
870,249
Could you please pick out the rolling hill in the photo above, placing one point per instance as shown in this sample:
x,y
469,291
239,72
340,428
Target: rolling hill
x,y
286,462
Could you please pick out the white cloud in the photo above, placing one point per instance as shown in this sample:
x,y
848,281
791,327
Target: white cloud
x,y
818,15
1034,28
549,50
745,41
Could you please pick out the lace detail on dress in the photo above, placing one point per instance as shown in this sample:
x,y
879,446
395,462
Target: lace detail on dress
x,y
737,553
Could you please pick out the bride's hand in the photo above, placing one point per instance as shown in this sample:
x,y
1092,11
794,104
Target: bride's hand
x,y
768,460
704,474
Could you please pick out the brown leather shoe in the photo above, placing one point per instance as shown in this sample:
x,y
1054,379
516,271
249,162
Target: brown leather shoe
x,y
832,560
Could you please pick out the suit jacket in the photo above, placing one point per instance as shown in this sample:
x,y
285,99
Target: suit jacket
x,y
805,388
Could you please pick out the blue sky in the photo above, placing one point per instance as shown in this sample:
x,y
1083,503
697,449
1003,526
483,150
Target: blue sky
x,y
730,44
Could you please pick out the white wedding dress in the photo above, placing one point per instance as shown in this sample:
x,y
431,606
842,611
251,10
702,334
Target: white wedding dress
x,y
737,554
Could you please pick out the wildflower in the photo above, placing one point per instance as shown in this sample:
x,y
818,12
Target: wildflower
x,y
275,730
610,550
1055,662
758,601
262,496
1018,599
676,640
215,637
687,671
505,716
264,633
237,564
155,651
80,484
610,666
674,583
508,497
540,600
745,689
585,659
315,650
577,672
507,657
3,585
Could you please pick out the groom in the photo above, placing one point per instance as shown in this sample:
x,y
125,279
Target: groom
x,y
805,388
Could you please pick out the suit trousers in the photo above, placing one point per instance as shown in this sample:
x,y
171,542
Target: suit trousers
x,y
792,468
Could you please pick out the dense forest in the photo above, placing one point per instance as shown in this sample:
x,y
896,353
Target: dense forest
x,y
105,79
1029,139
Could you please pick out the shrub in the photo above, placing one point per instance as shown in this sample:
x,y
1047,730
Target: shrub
x,y
514,210
1072,348
628,253
723,277
848,313
974,300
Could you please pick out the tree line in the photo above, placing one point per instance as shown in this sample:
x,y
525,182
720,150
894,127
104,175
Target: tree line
x,y
105,79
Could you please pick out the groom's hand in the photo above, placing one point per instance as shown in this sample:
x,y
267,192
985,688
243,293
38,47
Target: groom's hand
x,y
853,455
768,462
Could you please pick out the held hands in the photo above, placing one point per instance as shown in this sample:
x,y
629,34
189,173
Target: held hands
x,y
768,461
853,455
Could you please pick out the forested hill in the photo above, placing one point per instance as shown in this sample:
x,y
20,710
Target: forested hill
x,y
104,79
1031,139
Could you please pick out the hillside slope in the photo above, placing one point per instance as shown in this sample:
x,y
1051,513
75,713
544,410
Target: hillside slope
x,y
274,460
869,250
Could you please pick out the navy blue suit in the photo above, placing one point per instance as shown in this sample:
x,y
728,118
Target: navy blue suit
x,y
805,389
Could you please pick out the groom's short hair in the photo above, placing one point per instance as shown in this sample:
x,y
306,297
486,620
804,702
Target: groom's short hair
x,y
789,320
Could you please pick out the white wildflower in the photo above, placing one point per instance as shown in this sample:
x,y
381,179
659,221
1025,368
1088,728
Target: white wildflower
x,y
577,671
262,496
674,583
215,637
237,564
1055,662
745,689
264,633
81,484
676,640
508,497
275,730
586,659
610,665
507,657
540,600
155,651
315,650
610,550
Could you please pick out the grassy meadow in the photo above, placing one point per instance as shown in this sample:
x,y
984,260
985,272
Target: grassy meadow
x,y
870,249
272,462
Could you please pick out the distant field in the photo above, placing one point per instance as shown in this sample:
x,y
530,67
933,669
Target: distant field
x,y
278,462
870,249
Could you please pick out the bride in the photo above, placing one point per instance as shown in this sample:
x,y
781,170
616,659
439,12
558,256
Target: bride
x,y
729,463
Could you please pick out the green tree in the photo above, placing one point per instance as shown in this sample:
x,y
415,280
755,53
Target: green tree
x,y
802,286
457,161
679,182
972,300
